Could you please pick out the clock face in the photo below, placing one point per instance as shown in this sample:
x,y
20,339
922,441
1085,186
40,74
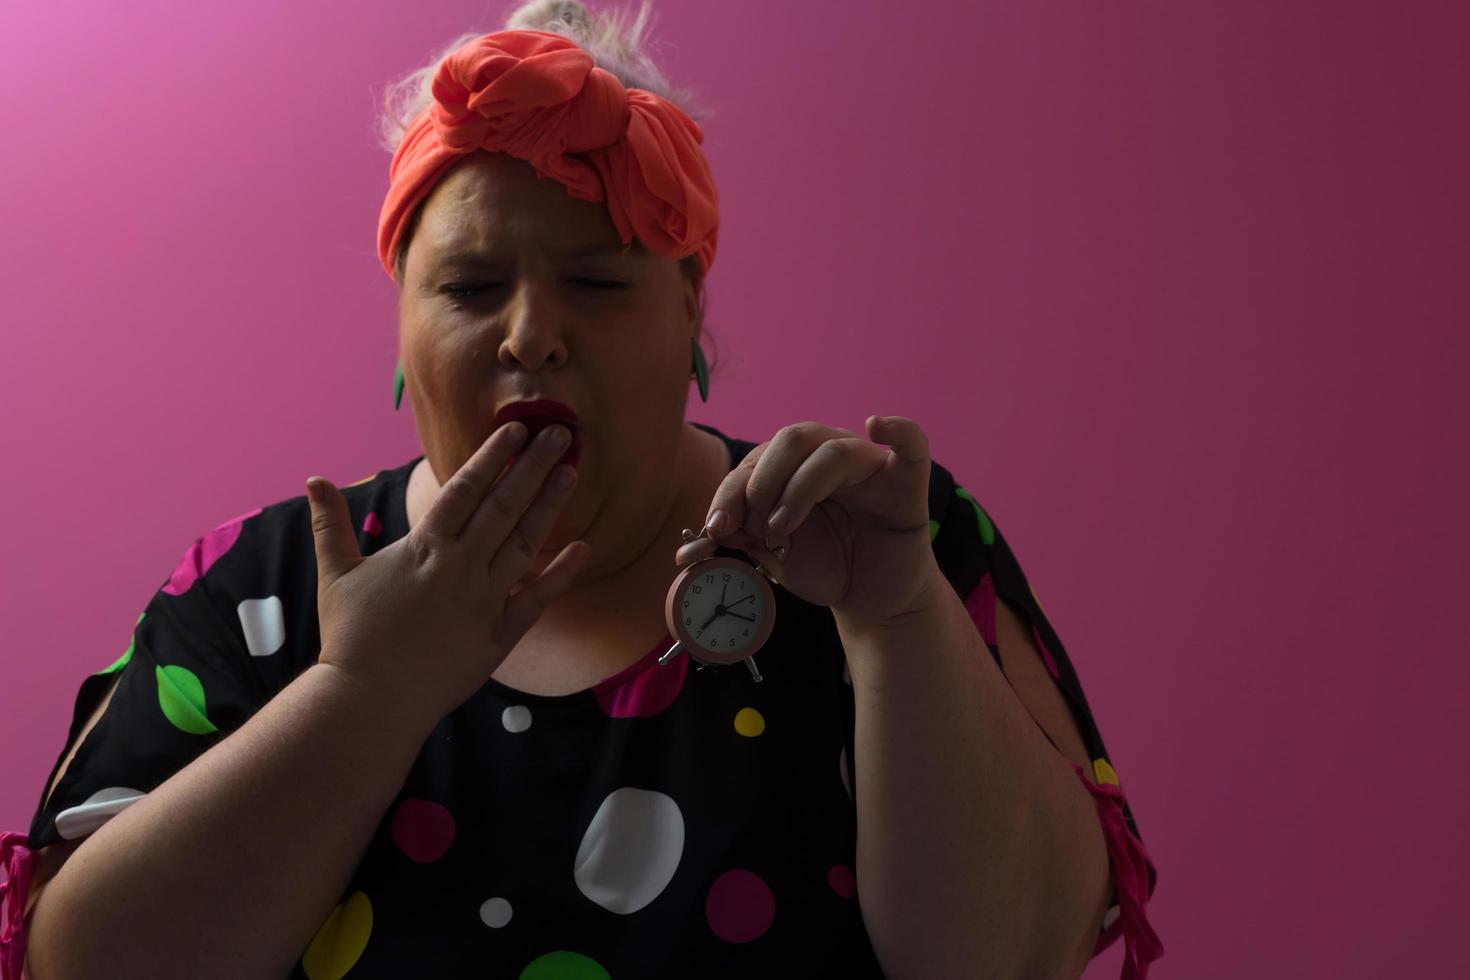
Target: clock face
x,y
724,610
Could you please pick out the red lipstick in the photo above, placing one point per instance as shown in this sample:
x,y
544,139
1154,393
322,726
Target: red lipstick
x,y
536,414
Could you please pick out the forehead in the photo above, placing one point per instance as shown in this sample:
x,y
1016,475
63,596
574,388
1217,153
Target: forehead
x,y
491,202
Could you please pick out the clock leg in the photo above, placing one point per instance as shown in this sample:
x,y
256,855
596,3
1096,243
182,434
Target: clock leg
x,y
668,655
750,662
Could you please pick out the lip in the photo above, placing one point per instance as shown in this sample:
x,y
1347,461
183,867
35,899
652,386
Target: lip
x,y
538,412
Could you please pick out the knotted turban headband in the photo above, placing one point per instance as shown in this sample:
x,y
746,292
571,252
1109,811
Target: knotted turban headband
x,y
539,97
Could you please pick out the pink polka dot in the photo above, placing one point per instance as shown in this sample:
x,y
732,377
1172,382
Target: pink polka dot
x,y
645,688
842,881
371,525
423,829
740,907
981,604
204,552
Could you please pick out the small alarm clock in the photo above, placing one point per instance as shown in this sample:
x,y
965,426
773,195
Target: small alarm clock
x,y
720,610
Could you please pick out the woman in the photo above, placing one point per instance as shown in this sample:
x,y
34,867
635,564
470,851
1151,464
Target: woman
x,y
420,724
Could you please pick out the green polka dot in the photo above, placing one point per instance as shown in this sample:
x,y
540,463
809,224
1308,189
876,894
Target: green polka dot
x,y
563,965
987,530
181,697
127,654
933,529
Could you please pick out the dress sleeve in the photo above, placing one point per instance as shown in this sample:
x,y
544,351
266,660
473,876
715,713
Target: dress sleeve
x,y
189,676
977,560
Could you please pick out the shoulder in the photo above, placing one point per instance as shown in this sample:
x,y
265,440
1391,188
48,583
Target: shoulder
x,y
266,546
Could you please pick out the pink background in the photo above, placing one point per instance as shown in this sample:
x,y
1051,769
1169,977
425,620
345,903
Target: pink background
x,y
1179,291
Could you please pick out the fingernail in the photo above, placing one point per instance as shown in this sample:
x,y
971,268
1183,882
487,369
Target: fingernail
x,y
716,521
776,521
314,490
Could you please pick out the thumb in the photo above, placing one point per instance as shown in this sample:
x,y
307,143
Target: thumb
x,y
331,529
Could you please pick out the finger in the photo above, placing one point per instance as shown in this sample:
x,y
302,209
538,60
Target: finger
x,y
462,493
526,606
696,550
331,531
522,507
903,436
513,551
749,492
835,464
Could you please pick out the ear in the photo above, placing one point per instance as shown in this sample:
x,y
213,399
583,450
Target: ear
x,y
692,286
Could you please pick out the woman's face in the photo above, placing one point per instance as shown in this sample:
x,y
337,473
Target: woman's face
x,y
502,301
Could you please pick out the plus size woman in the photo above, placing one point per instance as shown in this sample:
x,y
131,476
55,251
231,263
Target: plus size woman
x,y
427,724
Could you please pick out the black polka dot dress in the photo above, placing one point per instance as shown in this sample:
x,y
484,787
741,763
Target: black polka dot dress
x,y
666,822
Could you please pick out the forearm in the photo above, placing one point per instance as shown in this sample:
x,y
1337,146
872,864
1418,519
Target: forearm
x,y
230,867
978,851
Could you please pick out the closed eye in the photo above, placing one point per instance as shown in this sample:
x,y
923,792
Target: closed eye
x,y
466,290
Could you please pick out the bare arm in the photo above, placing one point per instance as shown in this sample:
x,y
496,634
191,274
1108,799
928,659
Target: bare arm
x,y
252,844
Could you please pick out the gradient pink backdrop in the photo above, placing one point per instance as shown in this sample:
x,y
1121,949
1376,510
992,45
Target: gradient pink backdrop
x,y
1178,290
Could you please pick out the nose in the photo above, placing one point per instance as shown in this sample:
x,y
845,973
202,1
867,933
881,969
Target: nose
x,y
534,325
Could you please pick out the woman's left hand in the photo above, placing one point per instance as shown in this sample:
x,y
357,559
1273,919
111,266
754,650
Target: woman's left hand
x,y
857,534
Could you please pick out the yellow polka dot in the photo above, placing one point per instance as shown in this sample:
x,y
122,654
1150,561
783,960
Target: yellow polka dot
x,y
748,722
340,940
363,480
1102,772
1036,600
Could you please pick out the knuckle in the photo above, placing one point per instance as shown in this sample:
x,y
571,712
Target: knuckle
x,y
501,504
323,521
523,545
458,486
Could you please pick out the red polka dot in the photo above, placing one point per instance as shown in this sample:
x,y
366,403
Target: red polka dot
x,y
371,525
740,907
422,829
842,881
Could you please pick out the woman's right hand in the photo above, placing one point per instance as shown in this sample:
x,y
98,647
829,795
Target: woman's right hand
x,y
429,618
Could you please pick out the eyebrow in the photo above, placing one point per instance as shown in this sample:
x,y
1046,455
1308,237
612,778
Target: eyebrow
x,y
471,257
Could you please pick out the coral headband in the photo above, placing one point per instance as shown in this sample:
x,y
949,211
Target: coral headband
x,y
538,97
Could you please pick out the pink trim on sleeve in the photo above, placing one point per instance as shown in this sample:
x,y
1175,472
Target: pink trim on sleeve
x,y
19,862
1134,876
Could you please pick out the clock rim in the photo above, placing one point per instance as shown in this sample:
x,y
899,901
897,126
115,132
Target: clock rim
x,y
680,633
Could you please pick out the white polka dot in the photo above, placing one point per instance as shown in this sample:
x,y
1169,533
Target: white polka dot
x,y
100,807
516,718
631,849
264,622
1111,916
842,768
846,674
495,912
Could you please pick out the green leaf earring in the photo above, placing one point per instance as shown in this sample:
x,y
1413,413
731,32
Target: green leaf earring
x,y
398,385
701,371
